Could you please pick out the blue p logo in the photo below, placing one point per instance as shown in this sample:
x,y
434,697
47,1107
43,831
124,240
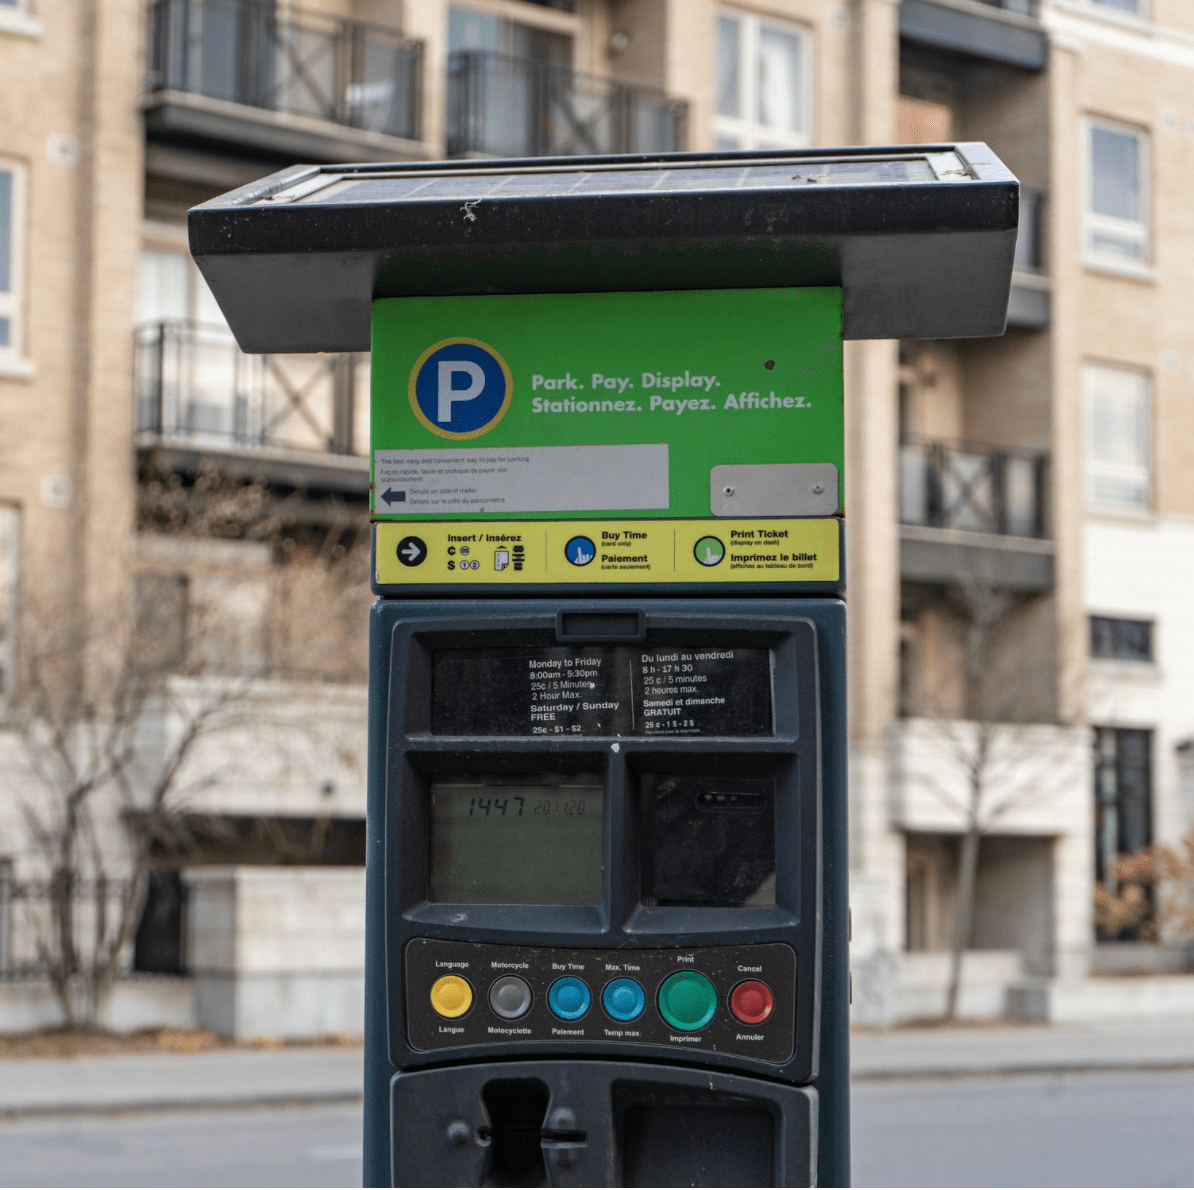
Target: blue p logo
x,y
460,388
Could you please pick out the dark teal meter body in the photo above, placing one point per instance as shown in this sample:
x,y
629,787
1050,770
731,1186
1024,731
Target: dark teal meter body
x,y
627,920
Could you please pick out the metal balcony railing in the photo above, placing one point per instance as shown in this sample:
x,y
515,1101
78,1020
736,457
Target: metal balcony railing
x,y
304,63
518,107
194,384
983,489
1030,241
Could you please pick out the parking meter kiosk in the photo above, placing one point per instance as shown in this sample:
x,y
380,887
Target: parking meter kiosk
x,y
607,883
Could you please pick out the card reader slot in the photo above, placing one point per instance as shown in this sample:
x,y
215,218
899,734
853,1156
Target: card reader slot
x,y
586,626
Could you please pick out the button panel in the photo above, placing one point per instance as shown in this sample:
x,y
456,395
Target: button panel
x,y
727,999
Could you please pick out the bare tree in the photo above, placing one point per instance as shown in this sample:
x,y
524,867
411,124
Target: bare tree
x,y
1004,758
114,718
97,765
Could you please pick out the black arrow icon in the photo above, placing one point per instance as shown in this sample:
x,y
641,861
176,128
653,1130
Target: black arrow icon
x,y
412,551
390,496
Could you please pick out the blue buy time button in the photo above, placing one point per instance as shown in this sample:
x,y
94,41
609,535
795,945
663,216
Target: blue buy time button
x,y
569,998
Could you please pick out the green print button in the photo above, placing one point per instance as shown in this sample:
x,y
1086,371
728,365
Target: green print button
x,y
687,1001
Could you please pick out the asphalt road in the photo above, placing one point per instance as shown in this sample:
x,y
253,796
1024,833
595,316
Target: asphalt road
x,y
1127,1129
1132,1129
309,1146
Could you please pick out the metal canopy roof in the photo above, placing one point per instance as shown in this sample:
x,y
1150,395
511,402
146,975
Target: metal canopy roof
x,y
920,238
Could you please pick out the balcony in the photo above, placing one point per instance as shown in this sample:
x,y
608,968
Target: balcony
x,y
518,107
298,420
286,86
1004,31
1030,302
968,510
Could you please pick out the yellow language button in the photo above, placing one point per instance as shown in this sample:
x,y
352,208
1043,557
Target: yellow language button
x,y
451,996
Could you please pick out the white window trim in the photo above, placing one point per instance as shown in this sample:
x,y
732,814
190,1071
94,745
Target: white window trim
x,y
1137,231
12,361
19,20
1092,469
743,128
1107,13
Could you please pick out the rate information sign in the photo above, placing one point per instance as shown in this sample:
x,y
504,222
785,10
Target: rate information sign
x,y
687,438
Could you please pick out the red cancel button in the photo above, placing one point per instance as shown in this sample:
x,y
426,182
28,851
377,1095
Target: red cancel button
x,y
752,1002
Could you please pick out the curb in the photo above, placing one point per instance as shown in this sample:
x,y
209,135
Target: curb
x,y
25,1111
943,1074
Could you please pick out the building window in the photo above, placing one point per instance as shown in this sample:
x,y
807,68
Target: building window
x,y
1118,437
1132,8
1113,639
161,605
763,84
1123,797
1115,222
479,31
12,225
6,899
171,289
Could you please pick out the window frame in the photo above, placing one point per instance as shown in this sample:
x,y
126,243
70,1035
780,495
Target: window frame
x,y
1092,469
1105,8
1112,790
1113,631
744,129
12,300
1094,224
17,16
532,16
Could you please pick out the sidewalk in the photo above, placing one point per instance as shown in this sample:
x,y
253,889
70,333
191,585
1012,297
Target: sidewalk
x,y
243,1078
1027,1049
218,1078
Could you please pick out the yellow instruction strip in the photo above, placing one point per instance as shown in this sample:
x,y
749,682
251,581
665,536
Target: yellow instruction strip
x,y
651,551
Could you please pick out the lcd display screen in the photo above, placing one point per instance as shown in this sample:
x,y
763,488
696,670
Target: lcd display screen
x,y
532,842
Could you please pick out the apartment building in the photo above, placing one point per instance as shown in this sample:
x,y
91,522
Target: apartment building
x,y
1018,509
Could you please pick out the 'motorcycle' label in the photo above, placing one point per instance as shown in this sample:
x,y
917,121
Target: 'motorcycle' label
x,y
608,551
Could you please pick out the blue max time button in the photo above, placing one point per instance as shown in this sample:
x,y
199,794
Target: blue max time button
x,y
624,999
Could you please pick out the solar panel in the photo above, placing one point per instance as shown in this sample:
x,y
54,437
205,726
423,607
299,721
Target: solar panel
x,y
404,186
921,238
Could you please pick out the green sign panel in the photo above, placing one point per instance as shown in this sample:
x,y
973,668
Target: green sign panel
x,y
697,404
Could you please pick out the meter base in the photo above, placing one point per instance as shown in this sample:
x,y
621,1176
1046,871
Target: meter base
x,y
599,1123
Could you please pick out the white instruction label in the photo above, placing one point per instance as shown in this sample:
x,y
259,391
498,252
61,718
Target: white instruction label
x,y
521,479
